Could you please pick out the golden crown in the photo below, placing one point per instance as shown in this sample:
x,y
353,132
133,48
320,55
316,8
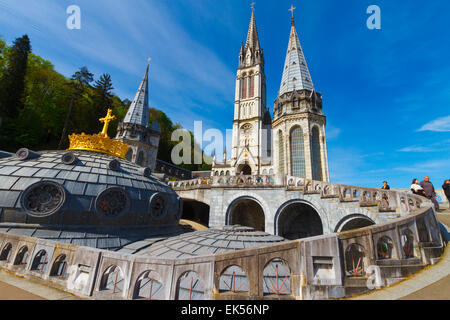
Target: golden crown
x,y
99,142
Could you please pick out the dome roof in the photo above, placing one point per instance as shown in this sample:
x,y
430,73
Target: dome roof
x,y
210,242
82,188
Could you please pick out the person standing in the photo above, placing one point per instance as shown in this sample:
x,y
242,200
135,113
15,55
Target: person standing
x,y
385,186
416,188
428,188
446,187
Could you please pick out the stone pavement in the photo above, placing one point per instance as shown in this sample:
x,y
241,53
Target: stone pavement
x,y
16,288
432,283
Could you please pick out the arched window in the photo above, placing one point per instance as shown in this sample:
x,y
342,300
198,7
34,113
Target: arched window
x,y
40,261
233,279
6,252
190,287
140,158
407,242
316,156
59,268
112,280
243,88
297,153
251,81
149,286
277,278
281,152
384,248
22,256
354,256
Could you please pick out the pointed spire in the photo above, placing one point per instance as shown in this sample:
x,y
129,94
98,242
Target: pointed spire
x,y
252,35
138,111
296,74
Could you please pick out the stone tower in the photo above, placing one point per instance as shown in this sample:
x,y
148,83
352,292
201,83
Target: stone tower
x,y
251,149
298,121
135,132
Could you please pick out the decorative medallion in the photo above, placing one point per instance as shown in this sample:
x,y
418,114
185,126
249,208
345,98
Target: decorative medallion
x,y
43,198
112,202
158,205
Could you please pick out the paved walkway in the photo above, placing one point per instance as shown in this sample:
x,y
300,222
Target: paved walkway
x,y
16,288
432,283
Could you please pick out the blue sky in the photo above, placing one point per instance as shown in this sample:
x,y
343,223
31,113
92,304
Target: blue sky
x,y
386,92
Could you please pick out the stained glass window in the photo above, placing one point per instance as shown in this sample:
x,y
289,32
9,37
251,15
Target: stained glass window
x,y
316,157
281,151
297,153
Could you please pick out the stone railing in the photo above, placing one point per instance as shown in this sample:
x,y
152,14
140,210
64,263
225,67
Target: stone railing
x,y
328,266
384,200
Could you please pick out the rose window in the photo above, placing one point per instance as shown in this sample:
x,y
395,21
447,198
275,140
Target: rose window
x,y
113,202
158,206
43,198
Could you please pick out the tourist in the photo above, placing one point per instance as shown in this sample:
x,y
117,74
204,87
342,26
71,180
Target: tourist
x,y
385,186
446,187
416,188
428,188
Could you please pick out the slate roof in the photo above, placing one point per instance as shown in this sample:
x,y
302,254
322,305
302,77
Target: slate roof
x,y
138,111
88,177
210,242
296,74
125,240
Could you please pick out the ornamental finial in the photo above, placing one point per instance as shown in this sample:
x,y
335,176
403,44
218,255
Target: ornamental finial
x,y
109,117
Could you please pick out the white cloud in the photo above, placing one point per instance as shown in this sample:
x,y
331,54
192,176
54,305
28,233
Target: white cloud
x,y
417,149
438,125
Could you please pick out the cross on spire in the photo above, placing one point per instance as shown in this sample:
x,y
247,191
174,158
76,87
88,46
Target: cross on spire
x,y
253,5
292,12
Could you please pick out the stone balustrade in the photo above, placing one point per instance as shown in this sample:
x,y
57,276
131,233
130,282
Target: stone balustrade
x,y
383,200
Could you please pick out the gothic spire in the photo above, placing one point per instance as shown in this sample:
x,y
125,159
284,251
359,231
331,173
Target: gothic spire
x,y
252,35
138,111
295,74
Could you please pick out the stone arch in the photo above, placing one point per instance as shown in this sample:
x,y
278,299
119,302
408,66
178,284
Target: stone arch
x,y
277,277
190,287
59,267
298,219
233,279
22,256
113,280
40,261
237,213
196,211
149,286
6,252
354,260
353,221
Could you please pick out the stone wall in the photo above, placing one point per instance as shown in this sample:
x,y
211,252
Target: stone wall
x,y
328,266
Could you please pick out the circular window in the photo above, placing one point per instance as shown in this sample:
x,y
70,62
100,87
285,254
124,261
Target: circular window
x,y
43,198
158,205
112,202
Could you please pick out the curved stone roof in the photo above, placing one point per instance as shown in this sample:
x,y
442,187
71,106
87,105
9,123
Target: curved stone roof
x,y
210,242
83,181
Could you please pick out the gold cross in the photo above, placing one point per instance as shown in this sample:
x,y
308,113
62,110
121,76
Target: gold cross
x,y
109,117
292,10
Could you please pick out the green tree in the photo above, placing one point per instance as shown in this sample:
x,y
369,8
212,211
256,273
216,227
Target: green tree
x,y
12,83
79,81
102,100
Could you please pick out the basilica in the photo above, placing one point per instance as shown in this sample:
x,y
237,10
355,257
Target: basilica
x,y
293,142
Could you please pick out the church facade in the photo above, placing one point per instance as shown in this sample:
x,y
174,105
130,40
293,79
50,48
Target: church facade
x,y
293,142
